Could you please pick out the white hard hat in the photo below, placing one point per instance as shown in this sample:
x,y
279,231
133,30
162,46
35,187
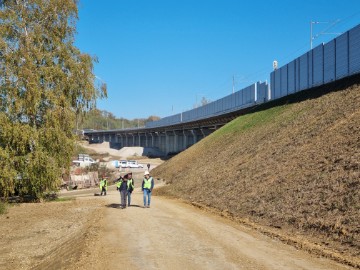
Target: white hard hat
x,y
146,172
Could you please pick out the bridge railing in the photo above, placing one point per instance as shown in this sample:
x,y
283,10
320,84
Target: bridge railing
x,y
255,93
325,63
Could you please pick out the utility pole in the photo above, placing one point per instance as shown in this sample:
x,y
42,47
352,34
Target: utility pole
x,y
321,33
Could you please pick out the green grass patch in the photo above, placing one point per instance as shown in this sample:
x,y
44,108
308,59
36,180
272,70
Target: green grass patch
x,y
249,121
63,199
3,208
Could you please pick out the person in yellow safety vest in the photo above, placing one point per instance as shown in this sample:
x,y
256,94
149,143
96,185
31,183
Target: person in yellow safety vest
x,y
147,187
118,183
103,186
130,187
123,189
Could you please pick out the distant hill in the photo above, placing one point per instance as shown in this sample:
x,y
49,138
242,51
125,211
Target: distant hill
x,y
292,165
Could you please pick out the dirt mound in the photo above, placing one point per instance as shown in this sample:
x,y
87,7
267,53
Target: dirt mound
x,y
47,235
293,164
139,151
101,148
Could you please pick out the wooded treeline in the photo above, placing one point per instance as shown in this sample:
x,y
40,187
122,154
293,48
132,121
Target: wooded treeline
x,y
104,120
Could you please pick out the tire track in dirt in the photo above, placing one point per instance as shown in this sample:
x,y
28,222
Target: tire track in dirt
x,y
174,235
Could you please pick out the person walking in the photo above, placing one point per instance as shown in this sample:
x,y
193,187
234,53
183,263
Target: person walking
x,y
118,182
130,187
122,185
103,186
147,187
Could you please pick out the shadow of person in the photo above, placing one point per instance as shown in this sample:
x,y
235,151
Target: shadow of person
x,y
134,205
113,205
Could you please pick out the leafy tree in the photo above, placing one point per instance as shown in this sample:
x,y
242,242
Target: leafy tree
x,y
45,81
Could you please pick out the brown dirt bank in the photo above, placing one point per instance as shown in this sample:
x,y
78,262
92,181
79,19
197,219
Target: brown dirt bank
x,y
49,235
294,167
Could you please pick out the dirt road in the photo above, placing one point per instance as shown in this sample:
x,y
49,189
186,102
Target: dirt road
x,y
174,235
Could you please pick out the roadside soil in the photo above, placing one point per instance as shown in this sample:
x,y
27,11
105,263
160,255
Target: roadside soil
x,y
46,235
92,232
292,165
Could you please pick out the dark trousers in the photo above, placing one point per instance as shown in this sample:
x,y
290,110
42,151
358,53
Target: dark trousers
x,y
123,194
103,190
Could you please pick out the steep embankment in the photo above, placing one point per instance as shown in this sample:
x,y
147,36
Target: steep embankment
x,y
292,164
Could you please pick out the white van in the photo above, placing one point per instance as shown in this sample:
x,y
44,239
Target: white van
x,y
134,164
123,164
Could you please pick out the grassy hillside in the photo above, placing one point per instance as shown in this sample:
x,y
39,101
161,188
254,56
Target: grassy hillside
x,y
293,164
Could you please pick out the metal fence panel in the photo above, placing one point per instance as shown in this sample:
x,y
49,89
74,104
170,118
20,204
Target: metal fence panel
x,y
291,77
284,81
237,99
354,50
342,56
233,101
252,93
297,74
245,95
241,97
277,90
227,103
310,67
200,111
272,85
248,94
329,61
262,90
218,106
186,116
318,65
303,72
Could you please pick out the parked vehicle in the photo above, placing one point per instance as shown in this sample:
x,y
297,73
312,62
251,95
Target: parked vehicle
x,y
134,164
128,164
122,164
83,161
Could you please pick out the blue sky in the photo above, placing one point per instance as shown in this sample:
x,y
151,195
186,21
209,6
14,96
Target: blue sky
x,y
160,57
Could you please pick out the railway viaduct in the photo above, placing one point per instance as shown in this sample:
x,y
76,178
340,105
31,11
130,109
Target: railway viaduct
x,y
168,139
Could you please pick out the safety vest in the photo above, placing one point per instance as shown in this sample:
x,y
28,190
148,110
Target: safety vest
x,y
118,184
105,184
101,184
147,183
130,183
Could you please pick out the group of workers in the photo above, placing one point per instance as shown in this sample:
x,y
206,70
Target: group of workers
x,y
125,185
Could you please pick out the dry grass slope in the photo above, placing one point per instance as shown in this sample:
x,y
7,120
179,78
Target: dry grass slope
x,y
293,164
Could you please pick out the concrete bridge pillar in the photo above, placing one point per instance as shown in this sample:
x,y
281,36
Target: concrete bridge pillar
x,y
167,143
152,139
193,131
185,139
120,140
175,141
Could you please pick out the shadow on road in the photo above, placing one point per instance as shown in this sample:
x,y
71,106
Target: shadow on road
x,y
118,205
